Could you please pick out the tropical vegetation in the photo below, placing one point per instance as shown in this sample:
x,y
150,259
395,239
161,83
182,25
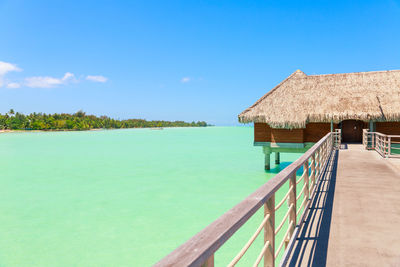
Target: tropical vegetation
x,y
80,121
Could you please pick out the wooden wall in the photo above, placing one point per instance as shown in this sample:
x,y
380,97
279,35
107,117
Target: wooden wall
x,y
262,132
388,127
287,136
315,131
312,133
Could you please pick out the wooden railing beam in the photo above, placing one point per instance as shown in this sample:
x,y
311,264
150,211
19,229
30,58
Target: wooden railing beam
x,y
200,249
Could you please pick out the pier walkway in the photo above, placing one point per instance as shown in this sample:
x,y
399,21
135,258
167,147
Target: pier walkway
x,y
354,216
342,208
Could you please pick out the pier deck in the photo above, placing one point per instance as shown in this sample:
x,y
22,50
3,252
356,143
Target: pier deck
x,y
354,217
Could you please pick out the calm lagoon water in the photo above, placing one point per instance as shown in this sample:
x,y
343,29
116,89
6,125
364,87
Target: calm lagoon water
x,y
122,197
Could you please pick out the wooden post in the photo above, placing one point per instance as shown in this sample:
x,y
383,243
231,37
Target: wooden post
x,y
269,232
209,262
292,201
306,180
319,160
331,125
313,171
389,148
277,158
316,162
374,140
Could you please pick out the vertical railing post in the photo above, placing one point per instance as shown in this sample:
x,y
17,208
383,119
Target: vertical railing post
x,y
313,172
306,180
292,201
374,140
363,139
317,163
377,143
209,262
269,232
390,146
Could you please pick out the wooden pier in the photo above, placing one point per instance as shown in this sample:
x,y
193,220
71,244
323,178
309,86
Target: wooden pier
x,y
351,200
353,219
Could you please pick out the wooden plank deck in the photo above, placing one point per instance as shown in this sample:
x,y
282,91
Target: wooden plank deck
x,y
354,218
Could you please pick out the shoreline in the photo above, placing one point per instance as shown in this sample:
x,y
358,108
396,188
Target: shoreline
x,y
95,129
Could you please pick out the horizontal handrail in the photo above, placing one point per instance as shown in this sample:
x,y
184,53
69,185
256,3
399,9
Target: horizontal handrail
x,y
248,244
204,244
381,143
283,199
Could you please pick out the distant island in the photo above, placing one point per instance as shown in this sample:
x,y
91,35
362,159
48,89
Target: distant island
x,y
80,121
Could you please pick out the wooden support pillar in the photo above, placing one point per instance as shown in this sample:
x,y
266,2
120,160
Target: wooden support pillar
x,y
331,125
267,161
277,158
370,138
269,232
267,157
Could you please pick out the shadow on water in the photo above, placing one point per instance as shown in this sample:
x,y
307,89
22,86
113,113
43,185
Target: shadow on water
x,y
278,167
311,246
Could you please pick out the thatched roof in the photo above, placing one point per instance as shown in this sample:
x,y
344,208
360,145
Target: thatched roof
x,y
302,98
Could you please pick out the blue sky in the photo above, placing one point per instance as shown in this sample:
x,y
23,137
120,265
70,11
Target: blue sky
x,y
181,60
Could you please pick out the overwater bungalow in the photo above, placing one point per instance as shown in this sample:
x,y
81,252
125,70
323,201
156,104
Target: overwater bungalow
x,y
340,208
303,108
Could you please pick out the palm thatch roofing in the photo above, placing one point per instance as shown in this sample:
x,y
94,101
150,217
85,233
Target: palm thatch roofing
x,y
302,98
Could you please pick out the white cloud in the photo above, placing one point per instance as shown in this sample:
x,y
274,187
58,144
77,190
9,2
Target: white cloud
x,y
13,85
6,67
68,76
97,78
49,82
185,80
42,81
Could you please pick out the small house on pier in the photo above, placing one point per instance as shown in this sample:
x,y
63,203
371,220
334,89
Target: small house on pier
x,y
303,108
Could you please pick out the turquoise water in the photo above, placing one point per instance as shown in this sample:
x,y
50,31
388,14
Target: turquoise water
x,y
122,197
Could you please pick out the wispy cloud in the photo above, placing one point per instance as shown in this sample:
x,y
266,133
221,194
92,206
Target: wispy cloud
x,y
49,82
42,81
5,68
97,78
13,85
185,80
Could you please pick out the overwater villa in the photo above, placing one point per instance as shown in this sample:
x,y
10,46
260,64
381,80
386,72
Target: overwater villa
x,y
302,109
336,205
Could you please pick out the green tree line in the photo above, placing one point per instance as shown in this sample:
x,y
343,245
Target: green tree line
x,y
80,121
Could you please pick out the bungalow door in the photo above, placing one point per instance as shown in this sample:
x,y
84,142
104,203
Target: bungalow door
x,y
352,131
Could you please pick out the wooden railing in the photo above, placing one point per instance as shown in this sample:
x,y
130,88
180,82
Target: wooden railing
x,y
386,145
200,249
337,138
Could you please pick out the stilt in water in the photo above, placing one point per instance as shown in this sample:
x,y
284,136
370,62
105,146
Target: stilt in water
x,y
277,158
267,161
267,154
